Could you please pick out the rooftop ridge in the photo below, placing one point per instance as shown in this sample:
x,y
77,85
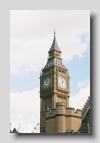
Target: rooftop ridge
x,y
86,107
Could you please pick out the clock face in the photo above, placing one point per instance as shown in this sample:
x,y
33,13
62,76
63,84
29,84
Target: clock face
x,y
46,82
62,82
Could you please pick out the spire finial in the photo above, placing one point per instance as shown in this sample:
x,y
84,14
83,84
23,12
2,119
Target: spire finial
x,y
54,32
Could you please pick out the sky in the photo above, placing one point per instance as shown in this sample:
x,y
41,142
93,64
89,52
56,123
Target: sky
x,y
31,36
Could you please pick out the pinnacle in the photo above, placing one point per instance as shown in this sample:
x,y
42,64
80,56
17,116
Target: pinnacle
x,y
54,44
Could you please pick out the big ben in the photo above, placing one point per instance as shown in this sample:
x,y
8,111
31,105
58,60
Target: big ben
x,y
54,93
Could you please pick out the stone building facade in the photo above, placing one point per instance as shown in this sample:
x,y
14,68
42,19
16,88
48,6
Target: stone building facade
x,y
55,114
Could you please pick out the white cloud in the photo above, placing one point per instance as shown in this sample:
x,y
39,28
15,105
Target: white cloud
x,y
81,97
31,36
27,54
74,47
25,109
83,84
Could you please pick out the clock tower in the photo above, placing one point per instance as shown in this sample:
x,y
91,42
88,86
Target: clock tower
x,y
54,86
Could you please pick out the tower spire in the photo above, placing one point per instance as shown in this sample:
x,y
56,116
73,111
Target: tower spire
x,y
54,45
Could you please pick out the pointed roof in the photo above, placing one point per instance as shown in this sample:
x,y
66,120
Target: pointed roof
x,y
54,45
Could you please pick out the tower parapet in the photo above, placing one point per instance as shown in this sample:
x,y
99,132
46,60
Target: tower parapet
x,y
63,119
74,112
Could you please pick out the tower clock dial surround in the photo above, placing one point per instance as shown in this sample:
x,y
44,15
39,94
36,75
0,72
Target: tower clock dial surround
x,y
62,83
46,83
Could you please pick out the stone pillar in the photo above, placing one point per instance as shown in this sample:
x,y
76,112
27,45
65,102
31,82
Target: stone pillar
x,y
60,117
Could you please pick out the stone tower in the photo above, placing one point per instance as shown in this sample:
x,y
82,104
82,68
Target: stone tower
x,y
55,114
